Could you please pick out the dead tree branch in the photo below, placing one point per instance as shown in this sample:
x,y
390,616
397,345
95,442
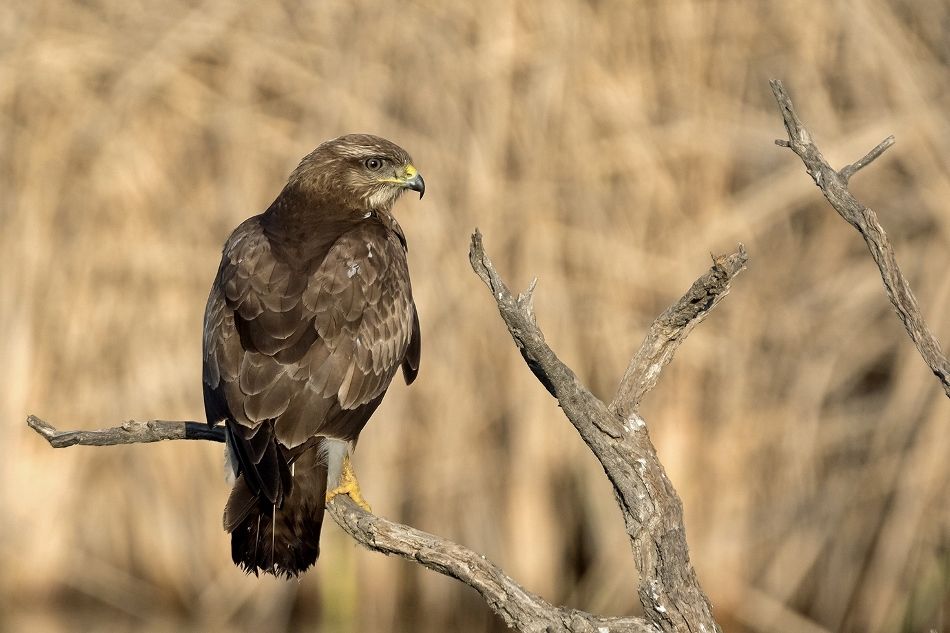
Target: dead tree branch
x,y
653,514
518,607
671,328
130,432
834,186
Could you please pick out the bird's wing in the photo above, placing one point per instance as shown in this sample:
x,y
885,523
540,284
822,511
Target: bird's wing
x,y
363,316
292,354
410,364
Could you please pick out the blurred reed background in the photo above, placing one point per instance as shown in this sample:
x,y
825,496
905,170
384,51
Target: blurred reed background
x,y
606,147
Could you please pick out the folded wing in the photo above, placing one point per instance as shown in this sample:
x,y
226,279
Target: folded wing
x,y
295,350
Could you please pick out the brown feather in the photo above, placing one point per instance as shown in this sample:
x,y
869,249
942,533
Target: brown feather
x,y
269,404
258,373
410,364
282,542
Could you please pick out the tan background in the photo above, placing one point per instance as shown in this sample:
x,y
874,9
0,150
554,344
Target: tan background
x,y
606,147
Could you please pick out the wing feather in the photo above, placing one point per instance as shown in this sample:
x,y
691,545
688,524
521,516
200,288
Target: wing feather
x,y
258,372
410,364
297,351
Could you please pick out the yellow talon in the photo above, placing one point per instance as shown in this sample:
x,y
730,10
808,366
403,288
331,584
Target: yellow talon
x,y
349,486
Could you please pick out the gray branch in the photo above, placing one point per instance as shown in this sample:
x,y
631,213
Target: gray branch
x,y
130,432
834,186
672,327
669,591
518,607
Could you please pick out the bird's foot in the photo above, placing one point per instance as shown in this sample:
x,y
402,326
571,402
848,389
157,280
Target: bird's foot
x,y
348,485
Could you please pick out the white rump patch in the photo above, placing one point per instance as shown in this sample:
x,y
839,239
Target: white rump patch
x,y
352,269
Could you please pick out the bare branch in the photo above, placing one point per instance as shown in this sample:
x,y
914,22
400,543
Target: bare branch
x,y
556,377
130,432
653,513
518,607
834,186
672,327
849,170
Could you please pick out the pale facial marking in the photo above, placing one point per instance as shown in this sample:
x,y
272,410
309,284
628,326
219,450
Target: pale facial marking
x,y
382,197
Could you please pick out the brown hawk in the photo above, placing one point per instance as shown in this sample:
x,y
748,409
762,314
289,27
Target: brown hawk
x,y
309,319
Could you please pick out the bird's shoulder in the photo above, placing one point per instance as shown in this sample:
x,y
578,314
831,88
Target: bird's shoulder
x,y
271,300
256,246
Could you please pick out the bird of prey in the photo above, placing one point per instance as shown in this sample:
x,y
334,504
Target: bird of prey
x,y
309,319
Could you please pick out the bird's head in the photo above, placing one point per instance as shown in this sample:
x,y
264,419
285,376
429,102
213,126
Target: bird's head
x,y
359,171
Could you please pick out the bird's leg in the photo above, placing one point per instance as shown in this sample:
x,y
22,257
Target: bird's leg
x,y
348,485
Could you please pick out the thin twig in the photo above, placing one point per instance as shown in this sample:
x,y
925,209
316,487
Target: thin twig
x,y
834,186
130,432
849,170
672,327
669,590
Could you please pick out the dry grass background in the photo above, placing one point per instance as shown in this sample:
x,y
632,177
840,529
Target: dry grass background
x,y
605,147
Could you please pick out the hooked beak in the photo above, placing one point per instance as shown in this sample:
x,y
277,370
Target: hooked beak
x,y
414,181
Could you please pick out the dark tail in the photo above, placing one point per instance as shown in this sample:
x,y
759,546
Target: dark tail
x,y
284,540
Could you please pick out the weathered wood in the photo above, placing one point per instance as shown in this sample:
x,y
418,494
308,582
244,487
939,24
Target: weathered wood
x,y
672,327
130,432
834,186
669,592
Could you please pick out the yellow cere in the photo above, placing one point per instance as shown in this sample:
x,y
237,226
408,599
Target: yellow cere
x,y
410,173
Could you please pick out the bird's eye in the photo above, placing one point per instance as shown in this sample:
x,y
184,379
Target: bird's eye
x,y
373,164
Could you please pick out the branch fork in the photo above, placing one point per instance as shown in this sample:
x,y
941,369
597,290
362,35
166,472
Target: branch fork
x,y
834,186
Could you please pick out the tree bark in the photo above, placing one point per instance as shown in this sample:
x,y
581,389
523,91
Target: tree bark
x,y
834,186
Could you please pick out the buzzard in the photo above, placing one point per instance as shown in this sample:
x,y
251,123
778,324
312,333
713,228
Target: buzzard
x,y
309,319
